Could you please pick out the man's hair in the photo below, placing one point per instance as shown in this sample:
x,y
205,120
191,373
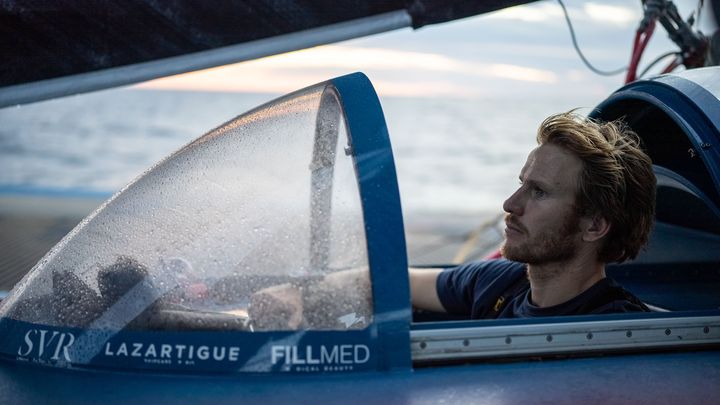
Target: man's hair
x,y
616,182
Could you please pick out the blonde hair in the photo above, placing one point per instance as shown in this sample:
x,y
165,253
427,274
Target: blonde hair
x,y
616,182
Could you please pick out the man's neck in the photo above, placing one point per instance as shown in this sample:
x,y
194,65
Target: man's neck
x,y
558,282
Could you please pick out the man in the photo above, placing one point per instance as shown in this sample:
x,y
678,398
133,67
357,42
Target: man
x,y
586,198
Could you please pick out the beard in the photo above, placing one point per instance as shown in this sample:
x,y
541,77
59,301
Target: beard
x,y
554,244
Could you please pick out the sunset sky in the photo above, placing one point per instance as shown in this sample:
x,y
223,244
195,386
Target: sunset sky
x,y
525,50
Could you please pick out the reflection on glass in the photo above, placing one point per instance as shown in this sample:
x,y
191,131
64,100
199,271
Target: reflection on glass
x,y
255,226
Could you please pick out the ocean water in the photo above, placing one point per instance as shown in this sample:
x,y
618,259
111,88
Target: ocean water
x,y
452,155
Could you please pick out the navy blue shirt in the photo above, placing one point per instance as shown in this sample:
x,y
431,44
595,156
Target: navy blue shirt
x,y
473,289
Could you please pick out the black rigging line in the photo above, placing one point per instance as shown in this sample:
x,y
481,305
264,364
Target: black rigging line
x,y
696,17
579,52
658,59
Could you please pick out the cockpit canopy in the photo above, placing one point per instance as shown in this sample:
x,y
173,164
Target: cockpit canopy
x,y
246,229
265,199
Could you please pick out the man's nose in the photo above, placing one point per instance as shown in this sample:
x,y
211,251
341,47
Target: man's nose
x,y
514,203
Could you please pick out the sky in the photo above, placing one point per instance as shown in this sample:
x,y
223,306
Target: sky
x,y
524,50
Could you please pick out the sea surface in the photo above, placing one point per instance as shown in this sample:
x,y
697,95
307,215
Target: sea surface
x,y
452,155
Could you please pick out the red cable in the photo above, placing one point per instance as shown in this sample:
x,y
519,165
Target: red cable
x,y
675,63
632,67
638,49
648,34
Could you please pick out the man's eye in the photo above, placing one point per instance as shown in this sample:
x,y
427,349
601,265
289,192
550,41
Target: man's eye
x,y
538,192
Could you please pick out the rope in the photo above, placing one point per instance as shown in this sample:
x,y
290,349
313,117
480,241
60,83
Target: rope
x,y
579,52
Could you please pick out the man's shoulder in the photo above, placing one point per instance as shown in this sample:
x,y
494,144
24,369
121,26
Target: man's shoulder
x,y
483,277
465,288
492,266
614,299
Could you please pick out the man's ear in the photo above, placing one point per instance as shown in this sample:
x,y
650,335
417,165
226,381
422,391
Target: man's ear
x,y
594,228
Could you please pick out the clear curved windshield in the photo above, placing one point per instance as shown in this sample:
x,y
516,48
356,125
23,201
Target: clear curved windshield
x,y
255,226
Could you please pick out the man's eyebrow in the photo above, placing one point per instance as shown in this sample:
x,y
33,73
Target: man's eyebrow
x,y
534,182
538,183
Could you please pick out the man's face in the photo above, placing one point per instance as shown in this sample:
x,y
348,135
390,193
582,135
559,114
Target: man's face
x,y
542,221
